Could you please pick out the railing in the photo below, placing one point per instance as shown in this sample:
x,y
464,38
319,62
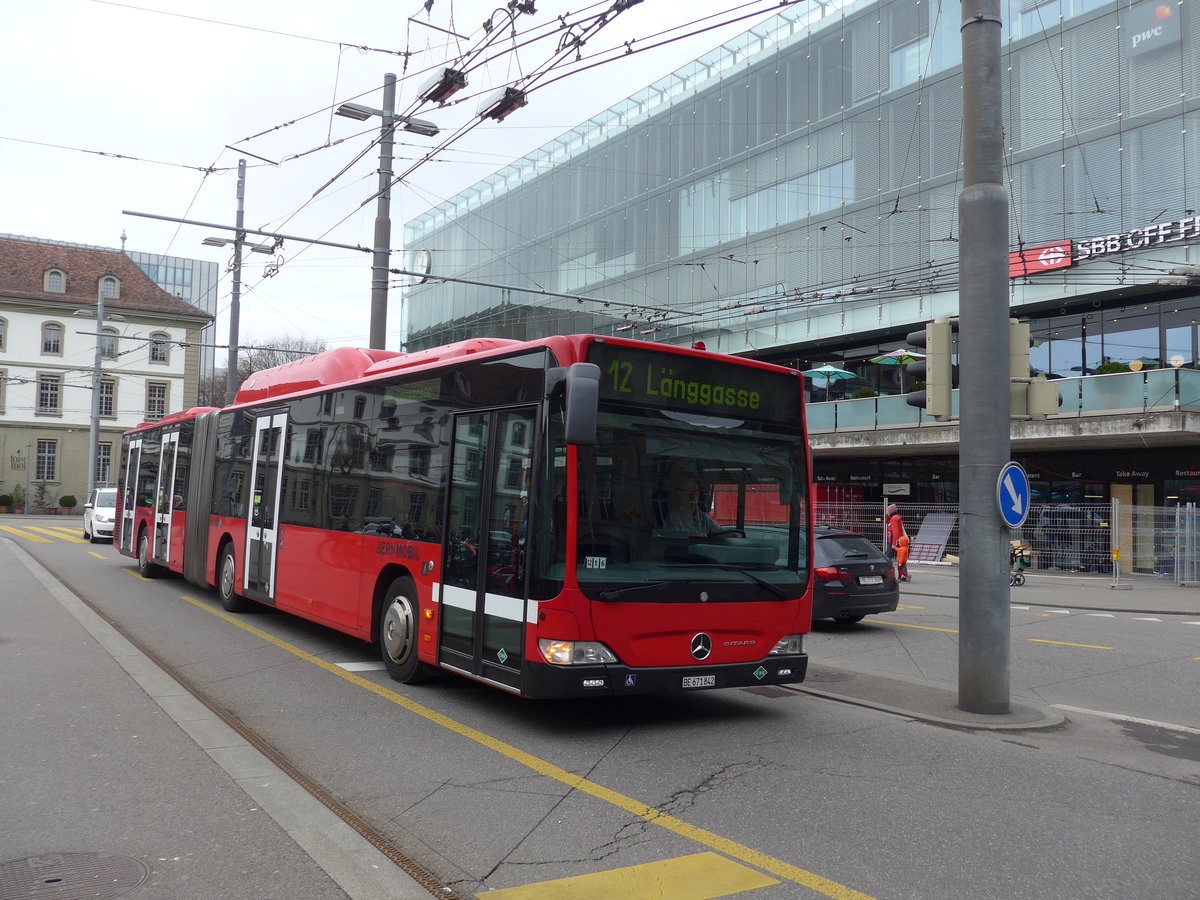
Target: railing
x,y
1155,390
1056,538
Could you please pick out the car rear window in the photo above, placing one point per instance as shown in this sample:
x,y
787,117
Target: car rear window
x,y
835,547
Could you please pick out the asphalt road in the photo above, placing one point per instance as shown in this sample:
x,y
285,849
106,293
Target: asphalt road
x,y
818,797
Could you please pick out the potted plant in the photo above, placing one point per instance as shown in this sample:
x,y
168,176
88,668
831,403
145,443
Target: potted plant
x,y
66,503
5,502
18,499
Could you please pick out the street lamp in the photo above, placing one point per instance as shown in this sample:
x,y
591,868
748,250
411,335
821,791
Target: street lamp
x,y
381,252
94,425
235,300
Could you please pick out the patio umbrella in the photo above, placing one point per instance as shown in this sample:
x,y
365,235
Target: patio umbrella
x,y
901,357
830,374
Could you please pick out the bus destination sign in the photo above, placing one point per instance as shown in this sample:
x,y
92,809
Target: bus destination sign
x,y
708,386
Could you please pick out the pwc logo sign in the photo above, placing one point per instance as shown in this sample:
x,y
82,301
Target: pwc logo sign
x,y
1149,26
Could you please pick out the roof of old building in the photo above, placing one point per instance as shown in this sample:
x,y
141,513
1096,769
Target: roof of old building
x,y
24,263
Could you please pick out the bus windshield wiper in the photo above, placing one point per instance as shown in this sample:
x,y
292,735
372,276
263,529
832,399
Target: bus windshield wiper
x,y
773,588
615,593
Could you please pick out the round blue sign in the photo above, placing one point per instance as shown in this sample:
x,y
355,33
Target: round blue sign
x,y
1012,494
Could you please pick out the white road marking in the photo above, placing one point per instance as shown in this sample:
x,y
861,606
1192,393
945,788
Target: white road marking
x,y
1116,717
360,666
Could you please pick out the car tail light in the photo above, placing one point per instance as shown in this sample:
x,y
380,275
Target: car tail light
x,y
833,573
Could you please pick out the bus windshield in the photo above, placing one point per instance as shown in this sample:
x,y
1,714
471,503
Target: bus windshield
x,y
668,496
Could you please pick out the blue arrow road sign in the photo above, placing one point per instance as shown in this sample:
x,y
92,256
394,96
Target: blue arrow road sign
x,y
1012,494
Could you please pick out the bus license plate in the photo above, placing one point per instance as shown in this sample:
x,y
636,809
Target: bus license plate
x,y
870,579
699,681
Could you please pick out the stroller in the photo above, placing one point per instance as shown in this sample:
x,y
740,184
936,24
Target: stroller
x,y
1018,561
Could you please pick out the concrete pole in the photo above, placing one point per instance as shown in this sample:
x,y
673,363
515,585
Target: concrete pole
x,y
235,302
94,425
984,448
382,251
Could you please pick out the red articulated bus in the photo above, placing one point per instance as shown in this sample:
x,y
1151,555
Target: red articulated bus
x,y
498,509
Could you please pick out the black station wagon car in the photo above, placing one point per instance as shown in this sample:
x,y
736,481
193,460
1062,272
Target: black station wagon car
x,y
851,577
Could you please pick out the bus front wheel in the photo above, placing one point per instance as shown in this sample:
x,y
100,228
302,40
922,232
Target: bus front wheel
x,y
227,583
398,626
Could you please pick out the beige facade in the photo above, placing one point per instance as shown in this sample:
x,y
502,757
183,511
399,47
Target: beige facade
x,y
48,339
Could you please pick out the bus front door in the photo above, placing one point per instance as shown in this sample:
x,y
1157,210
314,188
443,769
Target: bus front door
x,y
262,529
133,465
483,579
164,493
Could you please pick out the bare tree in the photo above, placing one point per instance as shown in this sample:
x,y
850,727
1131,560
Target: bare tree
x,y
275,351
211,390
270,352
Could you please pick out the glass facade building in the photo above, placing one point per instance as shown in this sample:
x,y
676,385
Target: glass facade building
x,y
793,195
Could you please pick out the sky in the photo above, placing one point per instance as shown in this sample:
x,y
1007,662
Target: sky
x,y
114,106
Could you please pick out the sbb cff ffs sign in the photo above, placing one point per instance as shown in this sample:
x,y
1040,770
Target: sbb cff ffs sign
x,y
1036,260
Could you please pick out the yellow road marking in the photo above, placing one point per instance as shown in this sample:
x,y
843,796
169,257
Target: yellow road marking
x,y
1065,644
703,876
24,534
922,627
66,529
56,534
97,555
906,606
576,782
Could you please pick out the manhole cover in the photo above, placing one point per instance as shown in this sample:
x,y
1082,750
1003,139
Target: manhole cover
x,y
769,690
70,876
819,675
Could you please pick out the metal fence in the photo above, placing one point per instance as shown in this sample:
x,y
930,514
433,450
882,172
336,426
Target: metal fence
x,y
1105,539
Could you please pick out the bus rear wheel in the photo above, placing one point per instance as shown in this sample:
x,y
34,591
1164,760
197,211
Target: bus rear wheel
x,y
227,582
146,568
398,627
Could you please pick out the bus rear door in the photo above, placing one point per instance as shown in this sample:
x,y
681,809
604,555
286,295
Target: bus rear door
x,y
133,464
262,530
164,494
483,579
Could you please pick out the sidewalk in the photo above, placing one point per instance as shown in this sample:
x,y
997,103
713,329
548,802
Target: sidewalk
x,y
114,778
938,703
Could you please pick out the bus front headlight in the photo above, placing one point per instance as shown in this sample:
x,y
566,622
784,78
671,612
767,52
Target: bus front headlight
x,y
789,645
575,653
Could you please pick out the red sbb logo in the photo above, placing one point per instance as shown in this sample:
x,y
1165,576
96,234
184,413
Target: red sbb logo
x,y
1036,260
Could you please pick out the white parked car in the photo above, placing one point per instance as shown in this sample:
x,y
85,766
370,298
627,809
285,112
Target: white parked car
x,y
99,515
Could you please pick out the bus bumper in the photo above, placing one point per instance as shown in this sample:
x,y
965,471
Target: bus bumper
x,y
544,681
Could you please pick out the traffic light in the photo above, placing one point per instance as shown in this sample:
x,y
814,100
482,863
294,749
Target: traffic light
x,y
1018,369
936,369
1030,396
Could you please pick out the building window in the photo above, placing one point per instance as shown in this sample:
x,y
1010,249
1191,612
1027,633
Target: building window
x,y
156,400
160,348
3,335
110,288
49,400
103,464
108,343
54,281
52,334
3,381
108,397
47,460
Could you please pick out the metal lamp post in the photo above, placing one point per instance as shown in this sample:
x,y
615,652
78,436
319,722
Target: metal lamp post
x,y
94,424
381,252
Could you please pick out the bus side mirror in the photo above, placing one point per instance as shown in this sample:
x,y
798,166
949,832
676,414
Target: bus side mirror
x,y
582,402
